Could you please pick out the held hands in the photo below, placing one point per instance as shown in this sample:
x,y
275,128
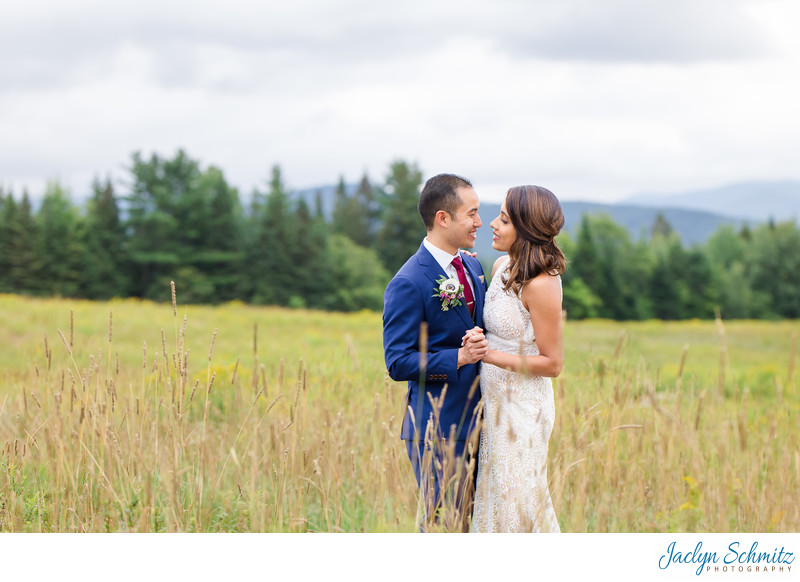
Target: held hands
x,y
474,347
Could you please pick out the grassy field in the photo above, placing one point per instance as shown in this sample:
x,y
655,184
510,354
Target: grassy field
x,y
135,416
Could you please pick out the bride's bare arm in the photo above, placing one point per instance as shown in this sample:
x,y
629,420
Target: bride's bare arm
x,y
542,298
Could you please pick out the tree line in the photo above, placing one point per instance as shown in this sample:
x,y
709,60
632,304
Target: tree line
x,y
750,273
178,221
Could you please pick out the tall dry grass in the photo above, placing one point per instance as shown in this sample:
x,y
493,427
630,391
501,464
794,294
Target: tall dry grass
x,y
272,420
637,454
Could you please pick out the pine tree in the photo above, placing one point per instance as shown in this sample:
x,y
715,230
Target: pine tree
x,y
272,246
579,301
354,215
105,263
586,263
369,213
59,250
612,267
661,227
319,212
8,216
402,230
185,226
773,269
313,282
703,298
153,227
726,254
339,218
223,245
669,291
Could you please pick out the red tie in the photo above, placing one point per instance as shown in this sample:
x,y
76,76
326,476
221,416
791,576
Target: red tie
x,y
462,278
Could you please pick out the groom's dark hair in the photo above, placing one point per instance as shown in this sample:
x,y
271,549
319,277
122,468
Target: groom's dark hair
x,y
439,193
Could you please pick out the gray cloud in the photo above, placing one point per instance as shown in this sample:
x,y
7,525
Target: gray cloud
x,y
68,44
679,31
504,91
66,47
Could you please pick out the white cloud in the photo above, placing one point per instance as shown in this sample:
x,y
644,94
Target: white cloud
x,y
593,100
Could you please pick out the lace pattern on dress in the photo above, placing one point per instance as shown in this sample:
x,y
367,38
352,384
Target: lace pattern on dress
x,y
518,417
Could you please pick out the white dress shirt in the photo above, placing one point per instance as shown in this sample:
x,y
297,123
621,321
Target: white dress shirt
x,y
445,260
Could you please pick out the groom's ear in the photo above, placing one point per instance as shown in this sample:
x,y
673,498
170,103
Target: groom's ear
x,y
442,218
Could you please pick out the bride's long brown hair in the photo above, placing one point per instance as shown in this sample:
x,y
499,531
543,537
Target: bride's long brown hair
x,y
537,217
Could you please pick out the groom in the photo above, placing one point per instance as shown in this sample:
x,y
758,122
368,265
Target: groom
x,y
439,423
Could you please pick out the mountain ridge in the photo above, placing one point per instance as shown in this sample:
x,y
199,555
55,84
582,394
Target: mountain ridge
x,y
693,215
755,200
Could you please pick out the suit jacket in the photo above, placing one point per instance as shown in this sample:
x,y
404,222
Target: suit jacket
x,y
408,302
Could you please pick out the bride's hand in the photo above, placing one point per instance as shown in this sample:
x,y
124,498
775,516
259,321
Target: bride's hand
x,y
469,254
470,333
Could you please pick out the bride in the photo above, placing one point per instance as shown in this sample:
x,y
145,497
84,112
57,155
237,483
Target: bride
x,y
523,324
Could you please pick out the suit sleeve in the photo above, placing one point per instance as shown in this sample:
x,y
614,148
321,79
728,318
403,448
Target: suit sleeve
x,y
403,313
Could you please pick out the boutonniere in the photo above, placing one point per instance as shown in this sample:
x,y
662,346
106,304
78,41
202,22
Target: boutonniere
x,y
450,291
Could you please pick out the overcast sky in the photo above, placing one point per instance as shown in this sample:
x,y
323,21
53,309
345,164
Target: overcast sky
x,y
596,100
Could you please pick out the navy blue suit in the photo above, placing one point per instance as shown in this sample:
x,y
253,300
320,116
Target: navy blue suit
x,y
408,302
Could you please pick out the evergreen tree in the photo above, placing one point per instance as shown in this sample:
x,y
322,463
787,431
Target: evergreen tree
x,y
153,227
188,193
341,209
272,246
219,254
314,279
22,255
773,267
586,263
355,215
105,264
612,268
184,226
4,234
613,248
319,212
59,250
661,227
726,254
579,301
636,274
402,230
8,216
369,216
703,296
668,287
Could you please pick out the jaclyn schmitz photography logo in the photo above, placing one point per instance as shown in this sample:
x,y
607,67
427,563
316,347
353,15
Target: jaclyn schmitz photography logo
x,y
737,557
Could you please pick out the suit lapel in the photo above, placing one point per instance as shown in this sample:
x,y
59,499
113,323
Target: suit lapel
x,y
434,271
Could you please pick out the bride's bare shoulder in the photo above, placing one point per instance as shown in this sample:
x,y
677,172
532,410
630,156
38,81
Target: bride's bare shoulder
x,y
498,263
544,289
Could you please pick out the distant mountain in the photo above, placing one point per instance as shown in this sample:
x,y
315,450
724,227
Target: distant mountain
x,y
327,196
688,214
692,226
758,201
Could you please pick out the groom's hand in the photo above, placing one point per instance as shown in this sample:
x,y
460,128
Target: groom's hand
x,y
469,334
475,347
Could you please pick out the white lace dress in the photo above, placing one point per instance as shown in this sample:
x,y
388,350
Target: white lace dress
x,y
511,493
